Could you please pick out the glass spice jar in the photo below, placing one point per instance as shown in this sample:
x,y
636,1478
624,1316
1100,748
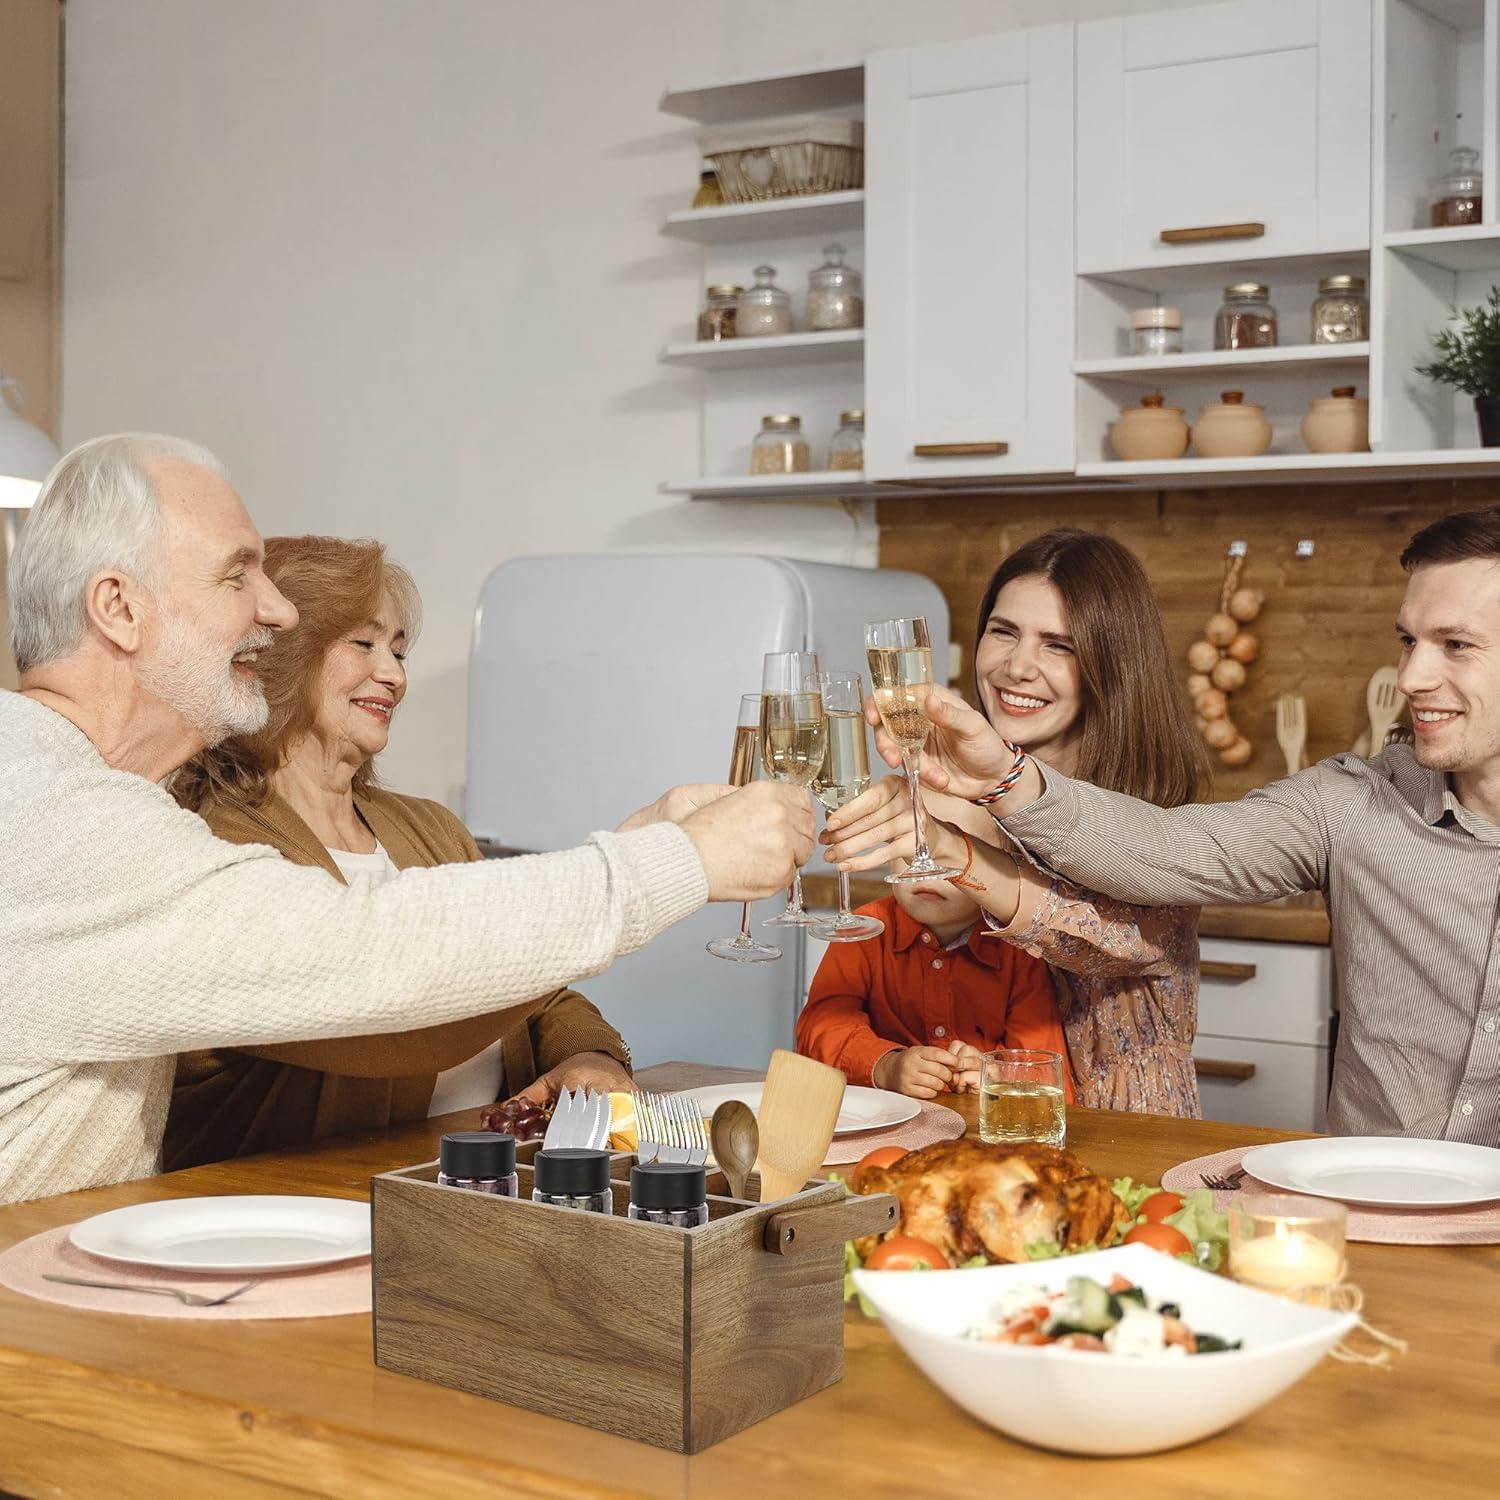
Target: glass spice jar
x,y
567,1177
764,310
847,448
483,1161
709,194
720,312
779,447
1341,311
671,1193
834,296
1246,320
1156,330
1458,194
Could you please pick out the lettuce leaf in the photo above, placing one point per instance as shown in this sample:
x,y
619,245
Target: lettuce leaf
x,y
1132,1194
1207,1230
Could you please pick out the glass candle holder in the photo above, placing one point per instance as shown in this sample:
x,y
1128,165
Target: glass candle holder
x,y
1288,1245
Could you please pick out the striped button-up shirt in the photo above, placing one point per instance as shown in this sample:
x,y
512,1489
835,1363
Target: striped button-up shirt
x,y
1412,881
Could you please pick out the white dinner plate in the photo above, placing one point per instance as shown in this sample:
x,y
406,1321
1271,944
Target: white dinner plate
x,y
862,1109
1383,1171
253,1232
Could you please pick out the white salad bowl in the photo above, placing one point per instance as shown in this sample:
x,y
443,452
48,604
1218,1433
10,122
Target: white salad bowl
x,y
1078,1401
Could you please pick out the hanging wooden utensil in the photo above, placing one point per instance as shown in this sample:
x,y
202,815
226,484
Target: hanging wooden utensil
x,y
799,1108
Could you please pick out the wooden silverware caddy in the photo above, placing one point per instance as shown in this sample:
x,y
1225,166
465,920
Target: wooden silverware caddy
x,y
678,1337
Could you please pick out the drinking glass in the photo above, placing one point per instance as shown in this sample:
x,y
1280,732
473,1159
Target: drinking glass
x,y
844,774
745,767
1021,1097
793,731
900,655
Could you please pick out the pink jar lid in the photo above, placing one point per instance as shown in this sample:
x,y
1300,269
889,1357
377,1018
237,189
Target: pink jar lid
x,y
1156,317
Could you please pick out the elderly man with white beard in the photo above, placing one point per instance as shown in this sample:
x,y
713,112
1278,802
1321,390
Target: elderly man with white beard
x,y
129,933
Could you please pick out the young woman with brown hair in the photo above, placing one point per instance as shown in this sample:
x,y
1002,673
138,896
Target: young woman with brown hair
x,y
1071,664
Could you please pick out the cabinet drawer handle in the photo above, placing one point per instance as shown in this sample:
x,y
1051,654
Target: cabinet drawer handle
x,y
1207,1067
960,450
1211,968
1201,232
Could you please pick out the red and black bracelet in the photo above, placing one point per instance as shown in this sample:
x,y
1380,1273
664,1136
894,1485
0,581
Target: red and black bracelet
x,y
1006,782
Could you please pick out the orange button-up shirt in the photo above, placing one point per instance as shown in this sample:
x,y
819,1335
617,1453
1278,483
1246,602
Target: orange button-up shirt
x,y
904,989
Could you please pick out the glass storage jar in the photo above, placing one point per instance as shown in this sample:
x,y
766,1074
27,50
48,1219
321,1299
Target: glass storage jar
x,y
779,447
764,309
1341,311
670,1193
720,312
484,1161
847,449
1156,330
568,1177
1458,194
834,294
709,194
1246,320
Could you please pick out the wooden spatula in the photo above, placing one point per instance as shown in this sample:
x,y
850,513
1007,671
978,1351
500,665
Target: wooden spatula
x,y
798,1110
1384,703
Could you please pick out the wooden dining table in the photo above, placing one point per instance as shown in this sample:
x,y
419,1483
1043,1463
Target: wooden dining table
x,y
96,1403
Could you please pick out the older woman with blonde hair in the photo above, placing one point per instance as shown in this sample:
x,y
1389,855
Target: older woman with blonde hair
x,y
306,785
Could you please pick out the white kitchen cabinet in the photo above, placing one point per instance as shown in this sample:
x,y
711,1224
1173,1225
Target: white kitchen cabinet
x,y
1262,1048
1247,121
968,257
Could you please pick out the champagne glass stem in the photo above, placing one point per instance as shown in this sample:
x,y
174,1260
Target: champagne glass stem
x,y
844,913
911,763
794,896
744,938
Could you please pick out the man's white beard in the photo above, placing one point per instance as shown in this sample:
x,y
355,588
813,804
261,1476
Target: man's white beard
x,y
194,679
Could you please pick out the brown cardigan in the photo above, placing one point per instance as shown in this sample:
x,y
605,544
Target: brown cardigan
x,y
233,1102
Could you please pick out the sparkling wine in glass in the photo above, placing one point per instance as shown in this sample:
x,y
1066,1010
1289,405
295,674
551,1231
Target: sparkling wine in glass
x,y
793,733
900,655
844,774
744,767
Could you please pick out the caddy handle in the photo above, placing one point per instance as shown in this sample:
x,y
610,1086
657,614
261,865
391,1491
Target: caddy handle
x,y
1196,235
825,1224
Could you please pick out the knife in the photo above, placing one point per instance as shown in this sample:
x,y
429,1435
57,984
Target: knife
x,y
560,1126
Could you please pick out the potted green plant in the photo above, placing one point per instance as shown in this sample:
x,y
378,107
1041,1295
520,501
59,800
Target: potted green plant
x,y
1469,359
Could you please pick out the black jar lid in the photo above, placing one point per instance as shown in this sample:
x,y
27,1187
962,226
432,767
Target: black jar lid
x,y
568,1172
667,1185
477,1154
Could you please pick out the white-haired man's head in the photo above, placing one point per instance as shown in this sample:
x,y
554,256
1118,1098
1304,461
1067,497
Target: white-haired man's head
x,y
139,548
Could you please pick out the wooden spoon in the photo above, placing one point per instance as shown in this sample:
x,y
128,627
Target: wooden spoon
x,y
798,1111
735,1137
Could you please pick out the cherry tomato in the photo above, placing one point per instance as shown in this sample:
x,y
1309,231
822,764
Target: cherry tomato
x,y
1160,1237
882,1156
1158,1206
903,1251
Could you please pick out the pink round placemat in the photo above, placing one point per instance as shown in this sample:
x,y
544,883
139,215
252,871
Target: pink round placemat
x,y
334,1291
1477,1225
931,1123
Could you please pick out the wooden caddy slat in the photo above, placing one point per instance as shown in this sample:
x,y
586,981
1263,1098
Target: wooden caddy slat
x,y
674,1337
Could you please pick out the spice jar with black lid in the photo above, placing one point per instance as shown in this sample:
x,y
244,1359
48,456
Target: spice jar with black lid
x,y
670,1193
482,1160
569,1177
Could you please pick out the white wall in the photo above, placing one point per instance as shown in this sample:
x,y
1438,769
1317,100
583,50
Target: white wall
x,y
397,262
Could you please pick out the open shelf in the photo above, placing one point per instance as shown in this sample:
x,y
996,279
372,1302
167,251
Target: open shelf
x,y
1468,247
1217,274
835,86
817,484
821,213
1150,371
1279,468
756,353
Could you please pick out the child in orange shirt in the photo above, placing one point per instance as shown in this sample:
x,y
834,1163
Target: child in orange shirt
x,y
911,1009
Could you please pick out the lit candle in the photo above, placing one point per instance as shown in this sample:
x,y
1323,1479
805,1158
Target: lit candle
x,y
1286,1259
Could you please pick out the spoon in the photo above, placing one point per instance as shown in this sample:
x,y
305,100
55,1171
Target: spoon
x,y
735,1138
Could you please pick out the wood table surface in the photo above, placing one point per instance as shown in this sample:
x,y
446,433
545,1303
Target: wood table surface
x,y
94,1403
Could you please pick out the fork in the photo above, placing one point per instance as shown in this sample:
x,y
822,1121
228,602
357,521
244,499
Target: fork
x,y
1227,1183
670,1129
1291,729
188,1299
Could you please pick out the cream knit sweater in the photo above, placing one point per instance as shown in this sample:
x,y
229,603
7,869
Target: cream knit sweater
x,y
129,933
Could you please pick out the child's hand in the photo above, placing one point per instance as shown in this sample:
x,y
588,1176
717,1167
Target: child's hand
x,y
965,1067
921,1072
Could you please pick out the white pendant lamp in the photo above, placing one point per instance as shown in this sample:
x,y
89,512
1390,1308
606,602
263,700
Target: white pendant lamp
x,y
26,458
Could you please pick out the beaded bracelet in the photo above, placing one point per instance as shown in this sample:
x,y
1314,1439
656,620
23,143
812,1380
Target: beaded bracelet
x,y
1007,781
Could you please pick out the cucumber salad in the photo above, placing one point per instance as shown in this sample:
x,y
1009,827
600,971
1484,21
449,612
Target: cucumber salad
x,y
1114,1319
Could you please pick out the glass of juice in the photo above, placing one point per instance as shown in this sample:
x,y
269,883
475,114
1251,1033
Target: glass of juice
x,y
1021,1097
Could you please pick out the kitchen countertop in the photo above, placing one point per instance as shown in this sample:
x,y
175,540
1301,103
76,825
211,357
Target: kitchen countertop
x,y
1295,919
95,1403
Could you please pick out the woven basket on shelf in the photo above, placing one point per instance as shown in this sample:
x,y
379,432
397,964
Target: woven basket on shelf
x,y
786,158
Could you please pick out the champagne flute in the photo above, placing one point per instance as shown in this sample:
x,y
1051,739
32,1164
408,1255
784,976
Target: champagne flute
x,y
900,655
793,732
745,767
844,774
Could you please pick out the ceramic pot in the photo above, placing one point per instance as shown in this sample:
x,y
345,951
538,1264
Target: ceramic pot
x,y
1234,428
1337,423
1488,408
1149,431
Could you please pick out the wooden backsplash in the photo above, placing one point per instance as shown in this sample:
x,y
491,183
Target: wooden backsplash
x,y
1328,621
